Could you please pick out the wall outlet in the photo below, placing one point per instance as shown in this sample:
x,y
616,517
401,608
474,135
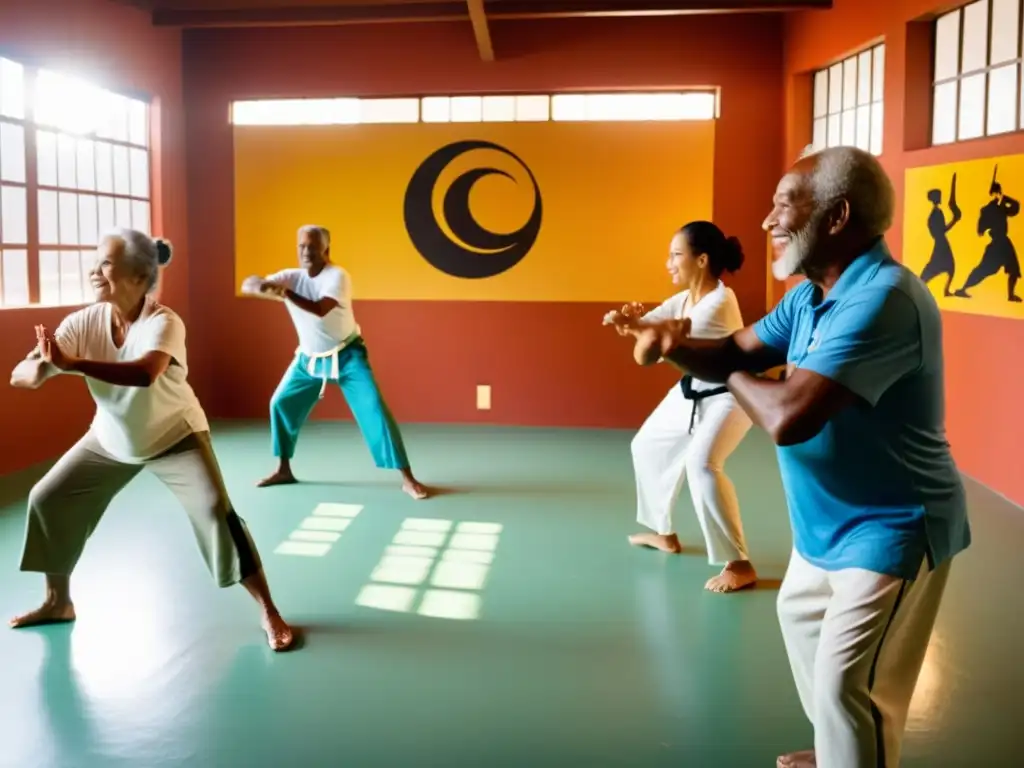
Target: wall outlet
x,y
483,397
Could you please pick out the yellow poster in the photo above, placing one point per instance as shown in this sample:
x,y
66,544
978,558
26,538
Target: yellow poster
x,y
962,231
476,211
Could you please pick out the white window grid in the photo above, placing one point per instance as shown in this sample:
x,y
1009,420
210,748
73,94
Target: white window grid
x,y
977,79
848,102
75,162
562,107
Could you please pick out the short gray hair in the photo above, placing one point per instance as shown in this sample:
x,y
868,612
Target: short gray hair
x,y
143,254
857,176
321,232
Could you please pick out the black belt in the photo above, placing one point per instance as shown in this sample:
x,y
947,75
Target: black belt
x,y
686,384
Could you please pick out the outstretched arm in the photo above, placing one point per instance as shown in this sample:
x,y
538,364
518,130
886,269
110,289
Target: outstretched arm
x,y
32,372
712,360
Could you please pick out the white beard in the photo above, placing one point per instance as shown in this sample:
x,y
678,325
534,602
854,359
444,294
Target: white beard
x,y
791,262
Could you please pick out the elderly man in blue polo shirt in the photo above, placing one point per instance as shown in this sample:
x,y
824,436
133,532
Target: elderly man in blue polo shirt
x,y
875,500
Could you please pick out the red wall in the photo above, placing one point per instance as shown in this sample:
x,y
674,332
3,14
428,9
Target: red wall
x,y
983,367
114,46
548,364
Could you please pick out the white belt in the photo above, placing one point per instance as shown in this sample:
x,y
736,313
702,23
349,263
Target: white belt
x,y
331,353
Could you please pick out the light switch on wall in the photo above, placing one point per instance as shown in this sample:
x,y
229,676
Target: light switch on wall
x,y
483,397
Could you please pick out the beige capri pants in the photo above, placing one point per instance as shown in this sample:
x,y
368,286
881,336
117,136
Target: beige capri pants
x,y
66,505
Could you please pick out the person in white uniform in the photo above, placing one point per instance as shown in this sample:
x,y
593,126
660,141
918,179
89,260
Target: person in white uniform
x,y
131,351
690,435
318,296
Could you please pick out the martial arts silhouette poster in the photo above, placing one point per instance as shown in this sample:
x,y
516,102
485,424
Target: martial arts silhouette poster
x,y
962,230
476,211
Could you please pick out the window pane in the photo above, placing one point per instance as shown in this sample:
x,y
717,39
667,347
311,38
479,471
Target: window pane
x,y
850,83
140,216
876,128
864,78
864,128
15,270
115,118
104,168
49,232
835,89
944,113
14,215
140,173
947,46
435,109
1002,100
499,109
70,277
12,89
138,122
834,125
106,211
67,103
878,75
569,106
88,260
820,129
533,108
88,220
1005,29
86,164
122,171
49,277
12,152
46,156
849,127
67,202
123,213
820,93
975,45
67,160
389,111
972,107
466,109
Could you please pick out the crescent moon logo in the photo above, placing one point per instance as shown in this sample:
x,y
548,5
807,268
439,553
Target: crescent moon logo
x,y
476,252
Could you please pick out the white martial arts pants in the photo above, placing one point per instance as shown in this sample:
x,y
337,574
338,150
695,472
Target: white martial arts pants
x,y
665,455
856,642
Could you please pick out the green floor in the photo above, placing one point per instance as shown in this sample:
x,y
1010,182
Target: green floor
x,y
583,652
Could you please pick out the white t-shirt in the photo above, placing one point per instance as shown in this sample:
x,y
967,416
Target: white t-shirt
x,y
715,316
318,335
134,424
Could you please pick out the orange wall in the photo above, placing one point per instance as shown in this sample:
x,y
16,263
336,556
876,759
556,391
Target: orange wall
x,y
983,370
548,363
114,46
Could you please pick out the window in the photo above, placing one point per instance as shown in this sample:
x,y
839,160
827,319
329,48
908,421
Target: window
x,y
74,162
685,105
977,71
848,102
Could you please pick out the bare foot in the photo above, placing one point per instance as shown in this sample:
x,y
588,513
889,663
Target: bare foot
x,y
48,613
735,576
279,635
278,478
415,488
803,759
668,543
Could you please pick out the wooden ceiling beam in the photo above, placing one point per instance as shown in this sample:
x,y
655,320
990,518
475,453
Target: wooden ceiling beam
x,y
452,10
482,33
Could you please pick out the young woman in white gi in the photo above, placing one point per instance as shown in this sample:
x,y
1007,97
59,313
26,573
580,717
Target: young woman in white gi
x,y
692,432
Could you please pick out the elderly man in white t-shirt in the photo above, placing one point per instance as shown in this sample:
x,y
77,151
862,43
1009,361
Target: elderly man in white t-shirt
x,y
318,296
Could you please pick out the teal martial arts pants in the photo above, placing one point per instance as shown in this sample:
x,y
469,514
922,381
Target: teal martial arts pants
x,y
300,390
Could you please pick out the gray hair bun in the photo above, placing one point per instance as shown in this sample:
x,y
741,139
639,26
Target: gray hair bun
x,y
164,251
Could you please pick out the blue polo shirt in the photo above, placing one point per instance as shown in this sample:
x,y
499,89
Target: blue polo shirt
x,y
877,488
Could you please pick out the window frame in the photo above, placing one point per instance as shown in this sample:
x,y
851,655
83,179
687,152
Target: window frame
x,y
1016,63
871,104
31,128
